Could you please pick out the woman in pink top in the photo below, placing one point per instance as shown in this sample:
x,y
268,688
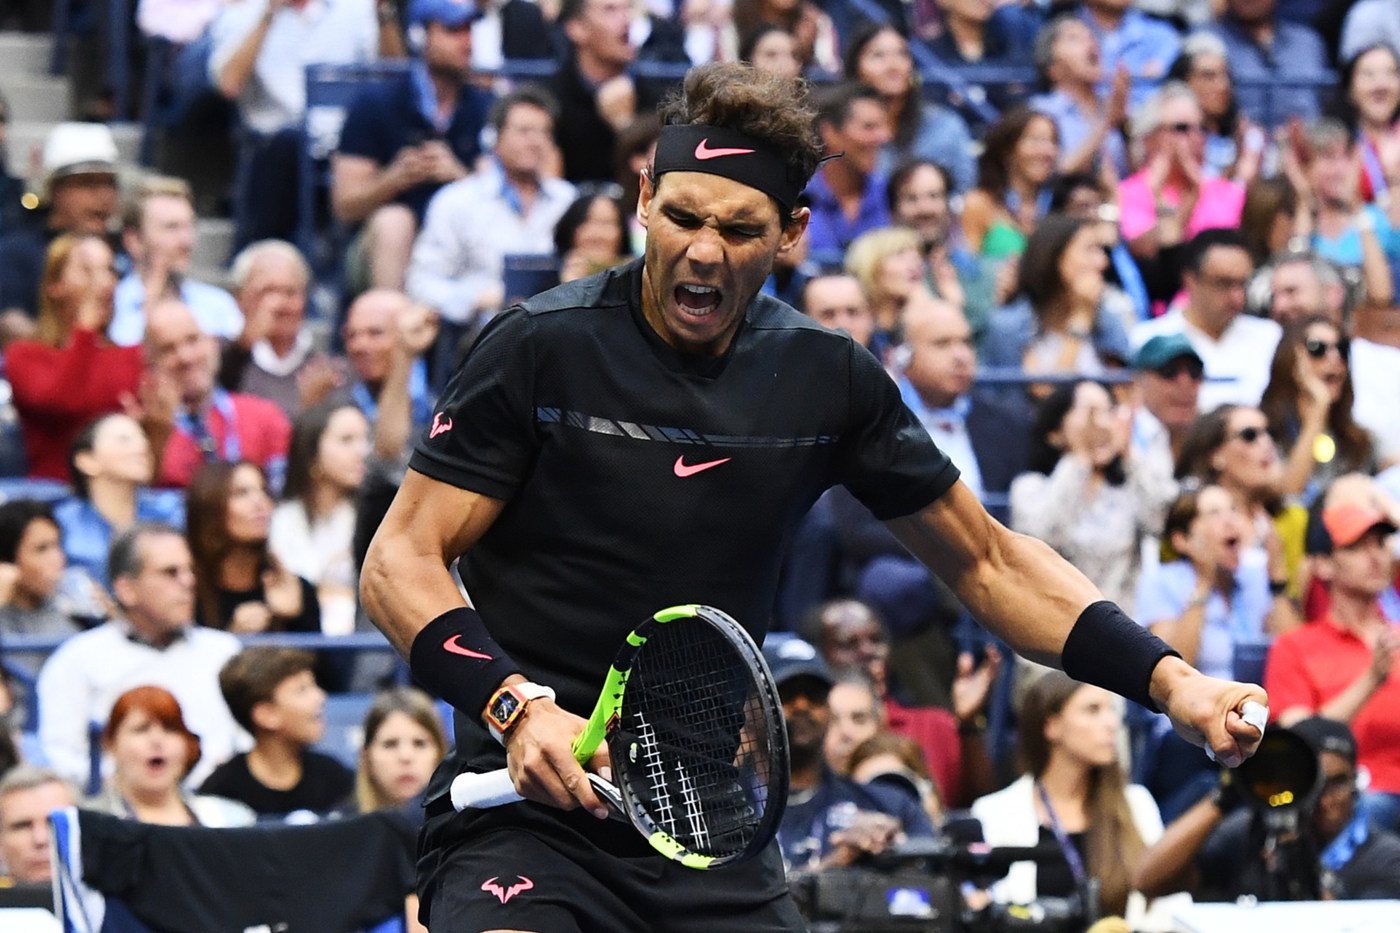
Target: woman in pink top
x,y
1169,200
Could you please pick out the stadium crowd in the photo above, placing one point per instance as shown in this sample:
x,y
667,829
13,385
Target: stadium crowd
x,y
1143,293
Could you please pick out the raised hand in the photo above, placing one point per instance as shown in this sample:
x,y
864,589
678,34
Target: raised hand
x,y
417,329
282,591
250,619
972,687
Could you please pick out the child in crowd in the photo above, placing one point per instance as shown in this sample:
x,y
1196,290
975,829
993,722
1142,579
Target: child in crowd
x,y
273,694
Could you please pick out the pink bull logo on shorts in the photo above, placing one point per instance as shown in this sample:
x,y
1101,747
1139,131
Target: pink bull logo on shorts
x,y
506,893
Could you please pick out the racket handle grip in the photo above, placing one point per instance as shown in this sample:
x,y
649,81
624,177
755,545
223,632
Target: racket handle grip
x,y
482,790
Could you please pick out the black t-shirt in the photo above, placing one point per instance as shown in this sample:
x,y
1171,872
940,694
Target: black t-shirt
x,y
637,478
324,786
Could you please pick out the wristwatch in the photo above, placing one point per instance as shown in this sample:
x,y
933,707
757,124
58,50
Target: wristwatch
x,y
508,704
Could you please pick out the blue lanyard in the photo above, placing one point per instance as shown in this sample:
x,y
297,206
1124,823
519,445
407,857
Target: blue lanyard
x,y
417,391
1076,864
1341,850
1042,203
1371,164
198,431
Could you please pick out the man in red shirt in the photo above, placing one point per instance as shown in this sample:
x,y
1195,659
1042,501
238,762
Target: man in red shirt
x,y
1338,665
193,421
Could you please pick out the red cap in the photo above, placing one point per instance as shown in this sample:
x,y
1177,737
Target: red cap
x,y
1347,524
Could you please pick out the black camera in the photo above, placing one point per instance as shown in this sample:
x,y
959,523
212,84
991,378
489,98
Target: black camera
x,y
917,886
1281,785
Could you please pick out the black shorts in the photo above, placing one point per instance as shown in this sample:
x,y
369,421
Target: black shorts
x,y
529,867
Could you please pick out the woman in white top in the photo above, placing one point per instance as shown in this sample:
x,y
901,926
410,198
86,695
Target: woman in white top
x,y
312,530
1073,795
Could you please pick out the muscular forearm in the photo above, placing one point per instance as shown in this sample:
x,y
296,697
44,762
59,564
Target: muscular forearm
x,y
404,587
1165,867
1014,585
405,582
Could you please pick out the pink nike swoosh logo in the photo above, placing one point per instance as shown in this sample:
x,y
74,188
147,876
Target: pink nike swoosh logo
x,y
703,152
452,646
683,471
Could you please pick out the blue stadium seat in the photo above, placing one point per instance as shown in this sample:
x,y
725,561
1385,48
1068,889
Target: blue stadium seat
x,y
330,90
45,490
345,716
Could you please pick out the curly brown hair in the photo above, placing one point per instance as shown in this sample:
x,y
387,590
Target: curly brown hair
x,y
770,108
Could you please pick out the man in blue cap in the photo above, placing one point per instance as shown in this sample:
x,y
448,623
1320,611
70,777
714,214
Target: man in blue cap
x,y
1168,376
406,139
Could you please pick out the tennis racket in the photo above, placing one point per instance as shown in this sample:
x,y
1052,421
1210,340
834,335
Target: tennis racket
x,y
695,730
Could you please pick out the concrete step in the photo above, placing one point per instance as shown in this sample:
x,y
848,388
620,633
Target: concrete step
x,y
37,98
213,246
23,54
128,139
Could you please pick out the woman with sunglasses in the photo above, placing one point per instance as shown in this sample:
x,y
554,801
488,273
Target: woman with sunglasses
x,y
1308,405
1171,198
1231,447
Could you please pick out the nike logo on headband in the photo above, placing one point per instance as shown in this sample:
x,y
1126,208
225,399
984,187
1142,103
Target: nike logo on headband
x,y
703,152
684,469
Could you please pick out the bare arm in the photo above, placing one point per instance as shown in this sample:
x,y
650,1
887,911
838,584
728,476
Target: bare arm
x,y
1375,269
1184,632
1028,595
239,68
1015,585
1166,866
405,584
359,186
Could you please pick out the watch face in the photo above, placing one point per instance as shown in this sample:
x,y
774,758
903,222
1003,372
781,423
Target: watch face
x,y
504,708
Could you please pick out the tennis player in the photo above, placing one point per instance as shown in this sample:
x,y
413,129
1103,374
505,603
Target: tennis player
x,y
651,436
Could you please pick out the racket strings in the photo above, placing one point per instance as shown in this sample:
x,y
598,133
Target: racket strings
x,y
695,761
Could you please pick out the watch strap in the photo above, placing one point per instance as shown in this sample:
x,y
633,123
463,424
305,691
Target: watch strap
x,y
523,693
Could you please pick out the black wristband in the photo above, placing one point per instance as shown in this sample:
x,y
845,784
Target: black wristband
x,y
455,658
1107,649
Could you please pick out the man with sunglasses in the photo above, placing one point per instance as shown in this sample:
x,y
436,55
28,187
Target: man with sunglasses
x,y
1235,347
1168,376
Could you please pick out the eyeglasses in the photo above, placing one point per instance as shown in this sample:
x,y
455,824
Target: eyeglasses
x,y
1250,434
1183,129
1317,349
1182,364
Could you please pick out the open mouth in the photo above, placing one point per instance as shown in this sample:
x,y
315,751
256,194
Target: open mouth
x,y
698,300
156,762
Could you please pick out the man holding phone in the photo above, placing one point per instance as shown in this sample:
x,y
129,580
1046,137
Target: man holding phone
x,y
405,140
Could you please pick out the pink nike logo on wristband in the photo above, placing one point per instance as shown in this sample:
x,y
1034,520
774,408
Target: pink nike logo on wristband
x,y
452,646
704,152
682,470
